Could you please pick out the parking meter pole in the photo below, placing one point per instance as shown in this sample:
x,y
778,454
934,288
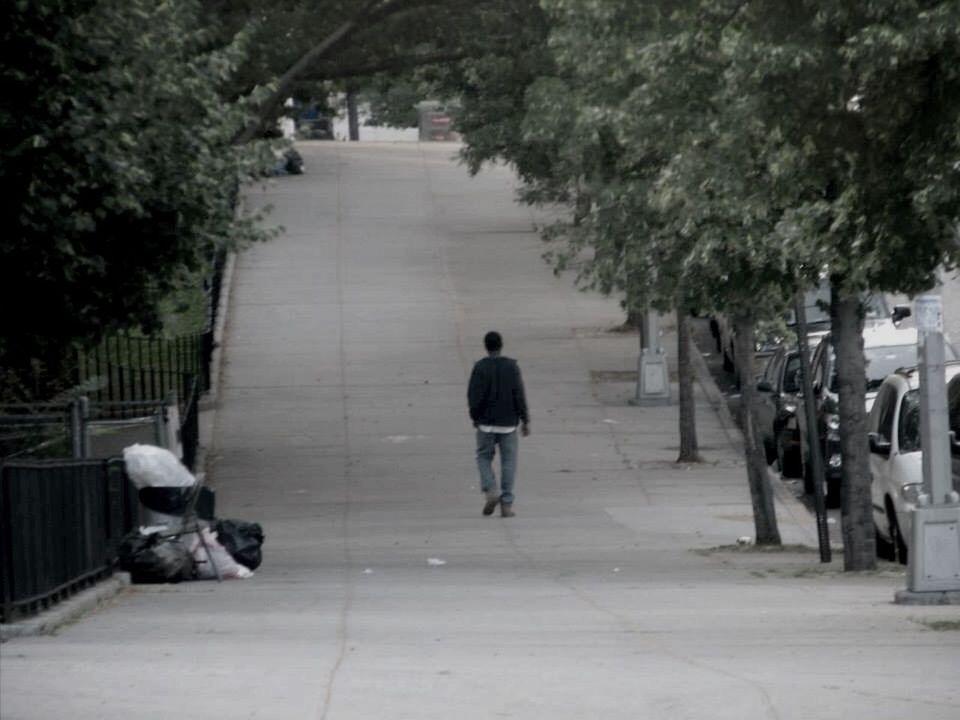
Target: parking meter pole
x,y
934,425
816,457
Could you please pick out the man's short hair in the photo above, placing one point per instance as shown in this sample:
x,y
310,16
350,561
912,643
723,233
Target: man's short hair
x,y
492,341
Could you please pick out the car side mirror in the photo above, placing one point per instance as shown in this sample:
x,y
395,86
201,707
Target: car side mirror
x,y
764,386
954,443
879,445
900,312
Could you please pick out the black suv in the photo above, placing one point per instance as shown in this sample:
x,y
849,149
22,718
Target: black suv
x,y
776,410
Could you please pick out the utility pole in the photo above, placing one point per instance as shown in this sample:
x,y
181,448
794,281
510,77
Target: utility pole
x,y
933,573
653,379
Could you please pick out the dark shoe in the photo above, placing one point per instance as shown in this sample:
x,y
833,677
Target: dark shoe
x,y
506,510
492,501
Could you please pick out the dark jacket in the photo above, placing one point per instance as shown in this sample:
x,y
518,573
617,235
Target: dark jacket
x,y
495,393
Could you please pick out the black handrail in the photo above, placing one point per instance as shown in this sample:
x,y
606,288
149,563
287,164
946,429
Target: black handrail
x,y
61,522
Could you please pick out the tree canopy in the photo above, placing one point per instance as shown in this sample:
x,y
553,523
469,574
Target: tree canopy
x,y
118,169
738,151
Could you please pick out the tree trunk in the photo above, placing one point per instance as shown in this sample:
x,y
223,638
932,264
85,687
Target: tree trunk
x,y
761,491
636,309
581,206
353,120
859,541
689,448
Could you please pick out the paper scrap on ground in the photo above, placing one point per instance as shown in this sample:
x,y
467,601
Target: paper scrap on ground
x,y
436,562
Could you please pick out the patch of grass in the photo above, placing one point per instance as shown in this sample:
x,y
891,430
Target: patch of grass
x,y
185,311
940,625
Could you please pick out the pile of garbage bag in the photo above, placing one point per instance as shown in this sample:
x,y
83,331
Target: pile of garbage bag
x,y
169,550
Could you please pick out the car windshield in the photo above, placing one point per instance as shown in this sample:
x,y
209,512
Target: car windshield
x,y
790,376
909,432
881,361
816,304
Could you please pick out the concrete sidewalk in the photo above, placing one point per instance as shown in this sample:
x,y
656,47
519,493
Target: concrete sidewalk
x,y
342,428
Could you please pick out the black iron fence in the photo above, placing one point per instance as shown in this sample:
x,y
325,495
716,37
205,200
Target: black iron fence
x,y
83,429
60,524
126,368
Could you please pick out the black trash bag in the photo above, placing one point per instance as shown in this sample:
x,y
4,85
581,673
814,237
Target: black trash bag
x,y
242,540
154,558
293,162
173,500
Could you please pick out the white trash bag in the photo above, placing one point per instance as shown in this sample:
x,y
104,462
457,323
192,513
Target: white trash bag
x,y
152,466
226,565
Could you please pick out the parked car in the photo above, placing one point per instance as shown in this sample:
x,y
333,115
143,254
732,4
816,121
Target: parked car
x,y
886,348
896,455
817,310
776,410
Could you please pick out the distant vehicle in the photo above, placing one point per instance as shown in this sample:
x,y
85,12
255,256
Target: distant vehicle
x,y
315,128
886,349
313,122
776,410
896,455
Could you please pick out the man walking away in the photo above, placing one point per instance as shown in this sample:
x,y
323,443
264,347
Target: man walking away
x,y
498,405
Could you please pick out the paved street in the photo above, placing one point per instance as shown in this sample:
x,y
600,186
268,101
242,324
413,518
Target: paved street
x,y
341,426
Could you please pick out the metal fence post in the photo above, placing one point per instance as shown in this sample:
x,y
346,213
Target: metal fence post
x,y
77,429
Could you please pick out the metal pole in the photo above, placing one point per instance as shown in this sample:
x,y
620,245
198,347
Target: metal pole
x,y
934,423
85,424
76,428
816,456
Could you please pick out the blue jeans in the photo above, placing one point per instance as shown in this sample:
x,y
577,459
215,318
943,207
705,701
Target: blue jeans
x,y
486,448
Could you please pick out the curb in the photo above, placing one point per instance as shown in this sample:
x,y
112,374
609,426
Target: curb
x,y
716,399
735,437
49,621
208,406
223,306
938,597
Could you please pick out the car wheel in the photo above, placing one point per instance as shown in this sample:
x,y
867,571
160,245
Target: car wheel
x,y
885,548
790,465
727,362
896,536
770,451
831,492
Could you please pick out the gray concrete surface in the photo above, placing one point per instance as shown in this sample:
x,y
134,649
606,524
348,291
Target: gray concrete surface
x,y
341,427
